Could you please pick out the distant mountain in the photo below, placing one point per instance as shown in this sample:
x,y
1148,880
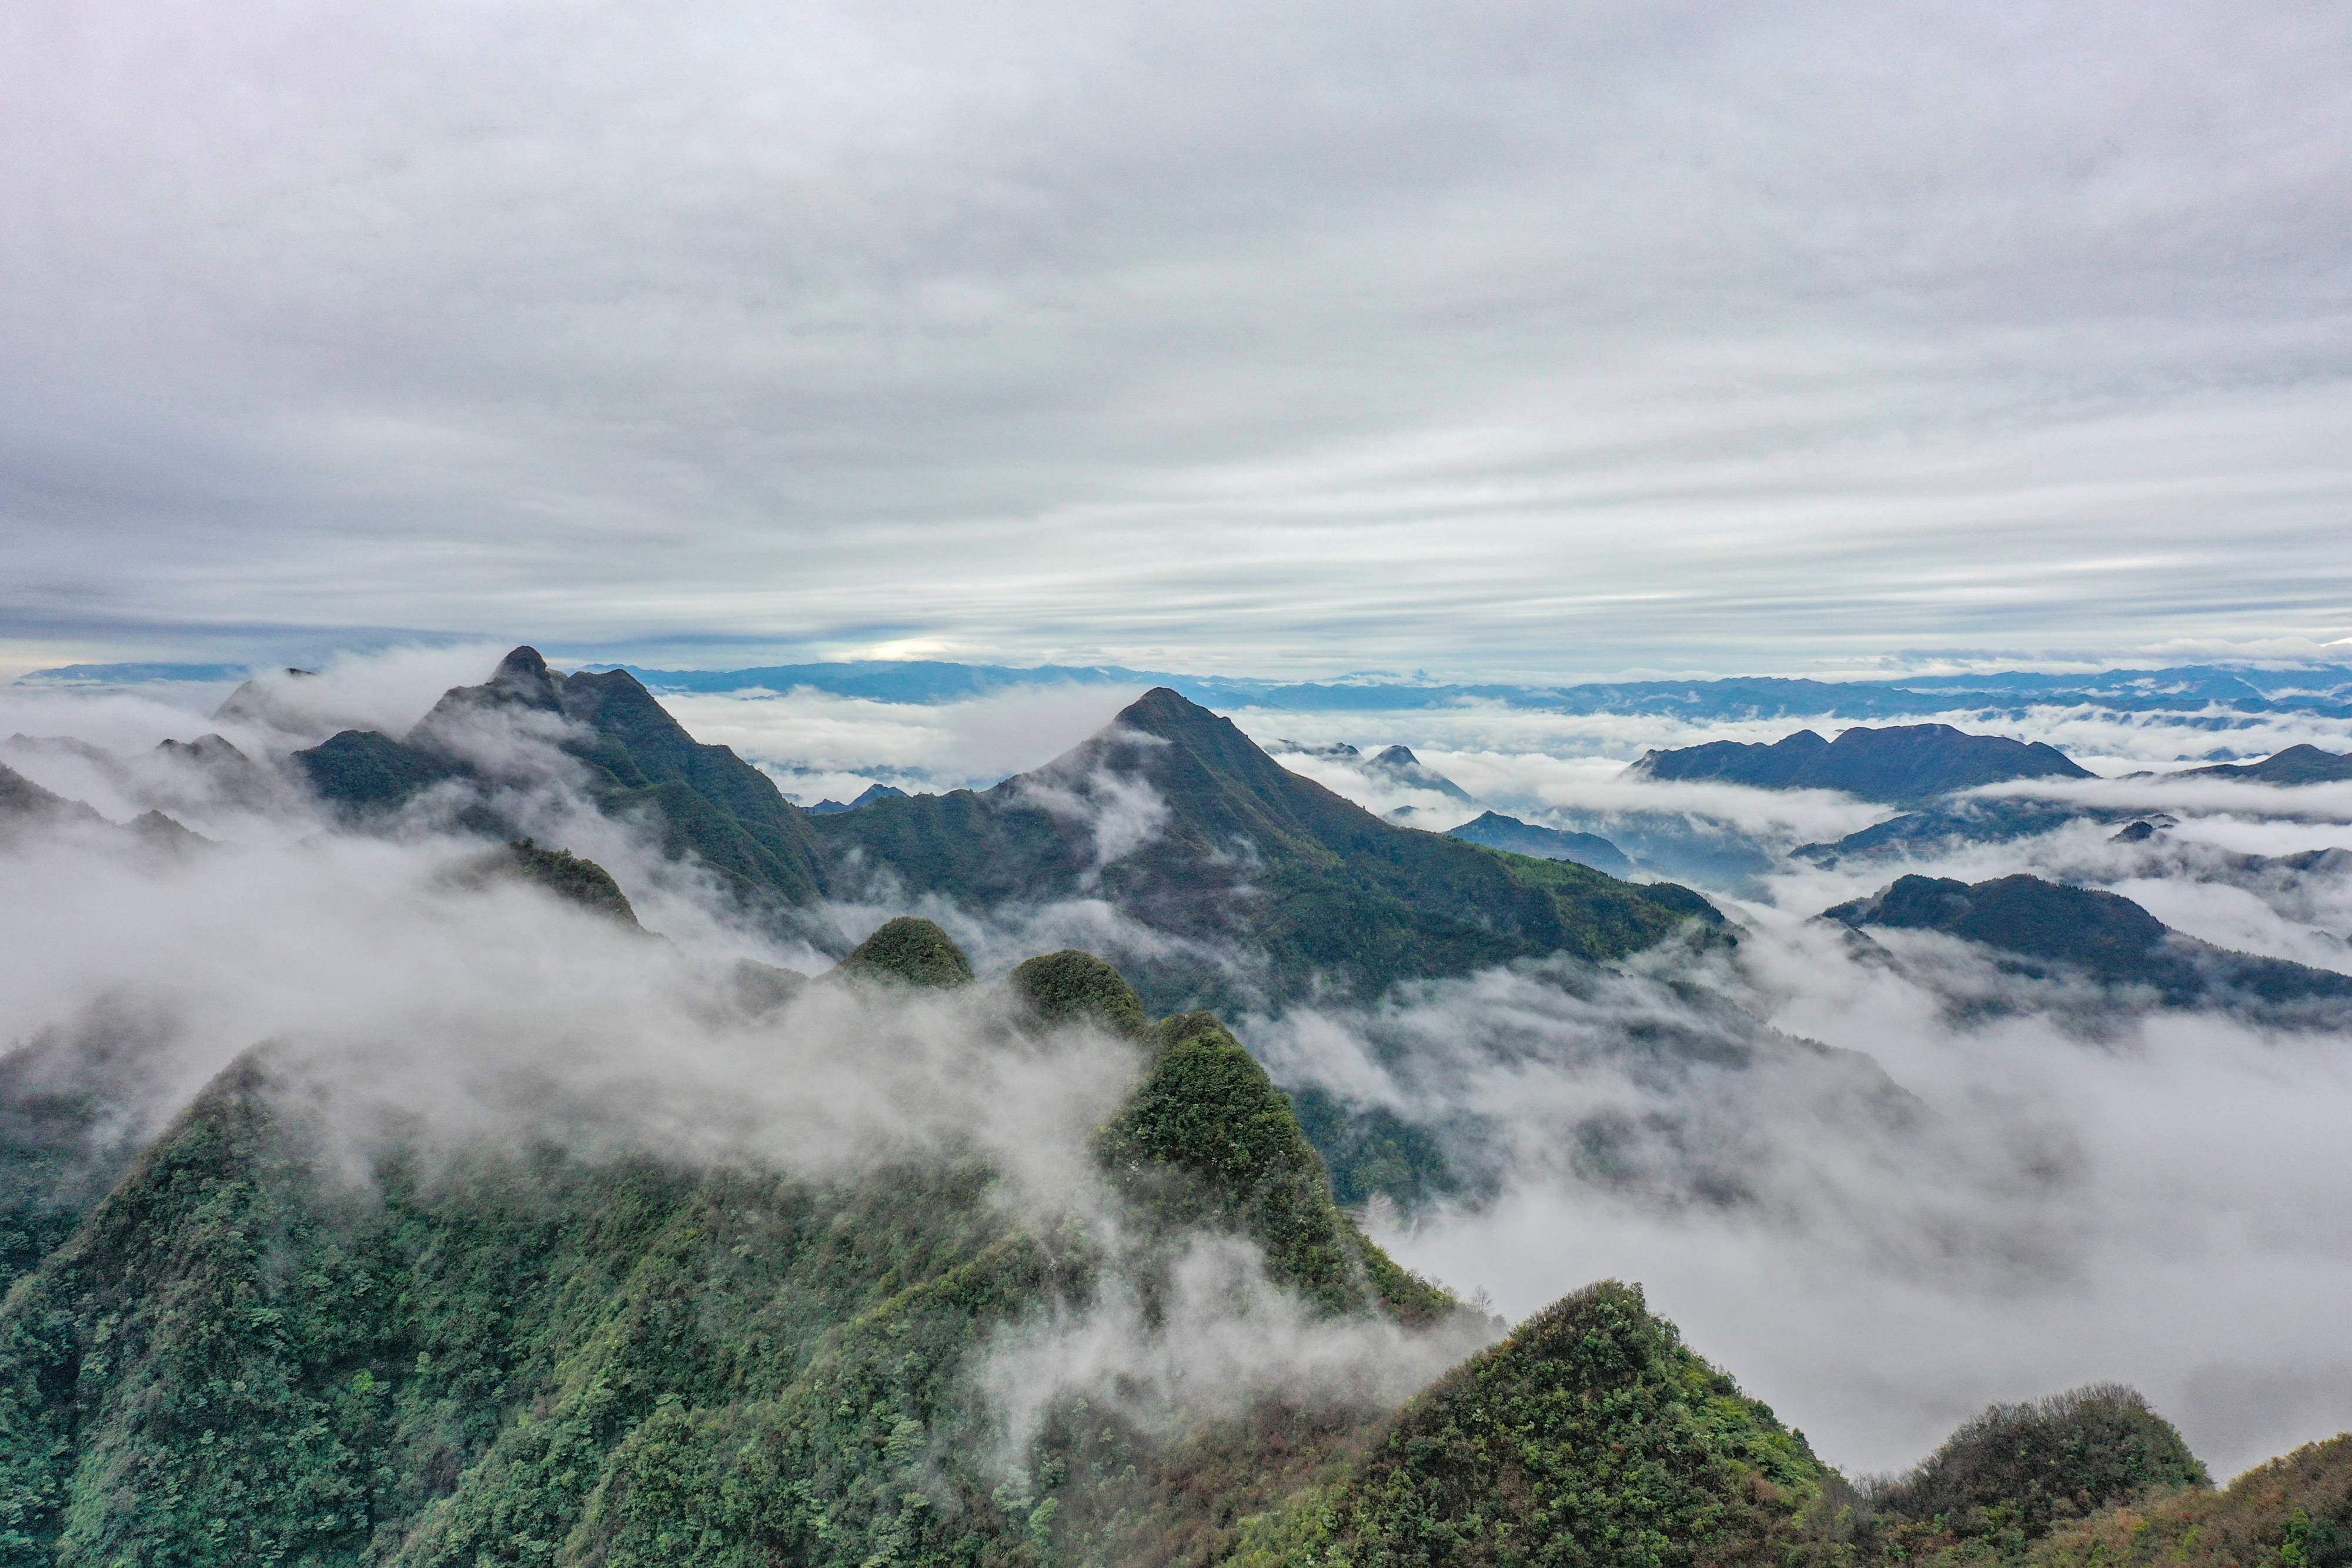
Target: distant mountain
x,y
2103,935
1951,823
1171,815
867,797
2295,764
1497,831
2194,688
1397,765
1903,763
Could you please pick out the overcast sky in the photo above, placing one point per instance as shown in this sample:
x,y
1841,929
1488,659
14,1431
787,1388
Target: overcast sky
x,y
1513,340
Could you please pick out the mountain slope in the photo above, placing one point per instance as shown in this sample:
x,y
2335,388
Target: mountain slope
x,y
2102,934
1170,815
1177,819
512,1355
1590,1436
2295,764
1497,831
1902,764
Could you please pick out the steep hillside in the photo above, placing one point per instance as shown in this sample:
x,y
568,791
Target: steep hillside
x,y
2294,1511
514,1355
1592,1436
1179,820
2103,935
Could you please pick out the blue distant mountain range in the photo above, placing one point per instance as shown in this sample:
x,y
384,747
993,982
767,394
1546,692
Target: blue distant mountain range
x,y
2188,689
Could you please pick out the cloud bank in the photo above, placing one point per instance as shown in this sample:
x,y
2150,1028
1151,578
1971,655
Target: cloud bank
x,y
1568,339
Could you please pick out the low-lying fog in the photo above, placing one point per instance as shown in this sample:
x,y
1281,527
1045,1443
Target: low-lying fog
x,y
2162,1202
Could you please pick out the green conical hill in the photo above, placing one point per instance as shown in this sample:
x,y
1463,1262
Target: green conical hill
x,y
2015,1474
911,951
1206,1141
1058,986
1592,1436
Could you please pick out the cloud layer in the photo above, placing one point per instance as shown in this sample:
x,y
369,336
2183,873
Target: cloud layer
x,y
1510,338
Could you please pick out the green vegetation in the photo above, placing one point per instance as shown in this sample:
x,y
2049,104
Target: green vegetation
x,y
1371,1149
1247,855
2292,1513
572,877
1058,986
511,1355
514,1356
1207,1142
1590,1436
910,952
2009,1476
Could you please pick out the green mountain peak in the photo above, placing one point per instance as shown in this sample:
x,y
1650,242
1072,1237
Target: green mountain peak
x,y
911,951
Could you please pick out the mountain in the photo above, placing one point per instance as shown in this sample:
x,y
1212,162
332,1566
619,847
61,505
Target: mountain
x,y
1904,764
2101,934
2015,1475
867,797
513,1354
1397,765
1965,820
1592,1424
1270,882
2295,764
1497,831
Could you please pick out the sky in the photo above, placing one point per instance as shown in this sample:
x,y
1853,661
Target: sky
x,y
1493,338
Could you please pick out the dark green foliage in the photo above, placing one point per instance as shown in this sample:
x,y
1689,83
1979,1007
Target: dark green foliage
x,y
1590,1436
2011,1474
2292,1513
700,800
1323,891
1057,986
910,951
361,770
1207,1141
573,877
523,1359
1248,852
1372,1150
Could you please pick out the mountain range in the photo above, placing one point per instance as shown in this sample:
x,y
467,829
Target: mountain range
x,y
246,1341
2193,689
513,1354
1271,883
1904,764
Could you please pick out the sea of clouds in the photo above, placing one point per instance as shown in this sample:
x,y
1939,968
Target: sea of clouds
x,y
1877,1207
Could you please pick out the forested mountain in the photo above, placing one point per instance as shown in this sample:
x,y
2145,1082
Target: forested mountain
x,y
1170,815
514,1354
510,1353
